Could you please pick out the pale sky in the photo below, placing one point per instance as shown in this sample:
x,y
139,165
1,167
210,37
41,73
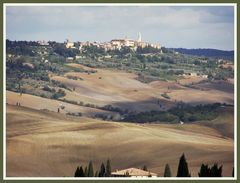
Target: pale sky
x,y
171,26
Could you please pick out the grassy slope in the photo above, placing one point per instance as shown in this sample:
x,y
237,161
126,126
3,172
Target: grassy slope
x,y
224,123
41,143
40,103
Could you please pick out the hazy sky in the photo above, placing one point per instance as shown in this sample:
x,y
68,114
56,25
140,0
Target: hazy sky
x,y
171,26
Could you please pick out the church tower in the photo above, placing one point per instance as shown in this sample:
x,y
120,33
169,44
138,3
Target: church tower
x,y
139,37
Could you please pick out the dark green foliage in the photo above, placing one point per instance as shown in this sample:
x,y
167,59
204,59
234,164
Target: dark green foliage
x,y
165,95
114,109
108,169
86,171
79,172
152,116
60,93
47,88
183,167
214,171
78,114
207,52
90,170
102,171
65,52
76,172
21,47
204,171
145,168
167,171
59,84
182,112
93,51
147,49
72,77
188,113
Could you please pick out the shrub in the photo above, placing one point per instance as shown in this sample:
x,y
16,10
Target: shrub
x,y
165,95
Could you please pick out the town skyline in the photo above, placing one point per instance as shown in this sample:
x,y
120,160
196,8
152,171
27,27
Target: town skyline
x,y
173,26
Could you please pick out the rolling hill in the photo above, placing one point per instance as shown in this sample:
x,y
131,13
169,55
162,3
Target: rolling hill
x,y
44,143
229,55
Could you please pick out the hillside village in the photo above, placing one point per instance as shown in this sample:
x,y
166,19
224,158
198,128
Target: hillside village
x,y
115,44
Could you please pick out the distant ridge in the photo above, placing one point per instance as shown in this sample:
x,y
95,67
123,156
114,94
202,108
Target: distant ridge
x,y
207,52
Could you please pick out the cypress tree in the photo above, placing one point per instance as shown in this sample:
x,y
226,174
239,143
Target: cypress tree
x,y
216,171
183,167
145,168
81,173
86,171
108,169
76,174
167,171
233,172
102,171
90,169
204,171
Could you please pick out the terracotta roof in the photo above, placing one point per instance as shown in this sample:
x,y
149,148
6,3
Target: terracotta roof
x,y
133,172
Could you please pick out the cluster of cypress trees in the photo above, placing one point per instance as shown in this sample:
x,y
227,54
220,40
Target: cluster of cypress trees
x,y
183,171
105,171
214,171
205,170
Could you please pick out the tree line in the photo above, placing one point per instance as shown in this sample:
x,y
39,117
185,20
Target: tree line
x,y
88,171
182,171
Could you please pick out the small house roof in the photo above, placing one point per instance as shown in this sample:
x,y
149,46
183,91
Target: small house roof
x,y
133,172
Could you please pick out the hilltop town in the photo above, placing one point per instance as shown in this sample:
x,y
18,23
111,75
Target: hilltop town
x,y
115,44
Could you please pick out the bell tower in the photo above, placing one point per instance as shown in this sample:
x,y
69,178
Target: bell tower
x,y
139,37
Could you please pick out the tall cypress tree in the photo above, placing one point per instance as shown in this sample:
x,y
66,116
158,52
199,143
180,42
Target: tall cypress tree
x,y
183,167
167,171
108,169
90,169
204,171
102,171
145,168
86,171
76,174
216,171
81,173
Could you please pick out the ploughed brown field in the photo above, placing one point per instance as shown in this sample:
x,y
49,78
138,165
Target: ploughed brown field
x,y
43,143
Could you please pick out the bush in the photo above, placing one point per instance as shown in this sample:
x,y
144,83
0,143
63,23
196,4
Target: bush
x,y
47,88
165,95
152,116
182,112
58,94
78,114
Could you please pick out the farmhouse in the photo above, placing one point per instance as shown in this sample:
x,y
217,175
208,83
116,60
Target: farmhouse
x,y
133,172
